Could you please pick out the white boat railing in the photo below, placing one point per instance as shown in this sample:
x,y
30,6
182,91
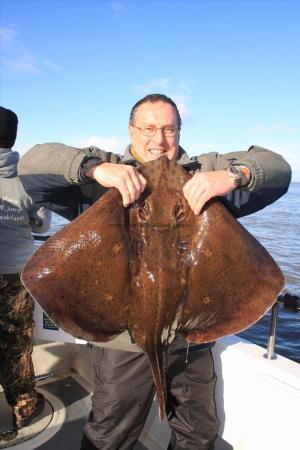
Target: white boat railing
x,y
290,302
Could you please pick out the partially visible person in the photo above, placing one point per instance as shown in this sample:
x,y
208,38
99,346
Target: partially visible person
x,y
18,218
66,180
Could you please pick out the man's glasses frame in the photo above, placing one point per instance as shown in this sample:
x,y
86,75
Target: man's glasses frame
x,y
151,131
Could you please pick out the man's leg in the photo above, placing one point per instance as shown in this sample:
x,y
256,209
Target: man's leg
x,y
191,405
16,328
122,398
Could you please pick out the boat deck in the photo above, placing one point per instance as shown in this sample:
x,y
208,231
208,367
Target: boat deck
x,y
60,425
258,400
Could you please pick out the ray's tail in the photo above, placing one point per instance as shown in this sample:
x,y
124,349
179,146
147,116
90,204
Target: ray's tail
x,y
156,357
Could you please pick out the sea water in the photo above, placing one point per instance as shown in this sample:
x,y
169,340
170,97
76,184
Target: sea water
x,y
277,227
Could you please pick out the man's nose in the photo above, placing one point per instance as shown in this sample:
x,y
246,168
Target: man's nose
x,y
159,136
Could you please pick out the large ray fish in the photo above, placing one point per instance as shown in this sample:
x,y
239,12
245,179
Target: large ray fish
x,y
154,269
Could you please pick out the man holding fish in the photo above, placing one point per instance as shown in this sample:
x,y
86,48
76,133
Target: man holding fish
x,y
75,178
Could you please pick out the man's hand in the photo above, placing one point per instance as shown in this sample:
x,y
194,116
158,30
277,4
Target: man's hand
x,y
206,185
127,179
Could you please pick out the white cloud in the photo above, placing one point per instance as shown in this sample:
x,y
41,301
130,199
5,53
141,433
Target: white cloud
x,y
176,91
23,62
259,129
17,57
183,85
181,102
110,144
196,148
49,64
153,85
118,8
7,34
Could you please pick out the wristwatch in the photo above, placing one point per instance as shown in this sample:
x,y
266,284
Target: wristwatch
x,y
236,173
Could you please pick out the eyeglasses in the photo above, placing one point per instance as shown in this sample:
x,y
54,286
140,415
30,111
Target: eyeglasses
x,y
168,130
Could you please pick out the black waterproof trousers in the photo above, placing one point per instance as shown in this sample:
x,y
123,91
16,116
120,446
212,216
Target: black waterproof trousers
x,y
124,391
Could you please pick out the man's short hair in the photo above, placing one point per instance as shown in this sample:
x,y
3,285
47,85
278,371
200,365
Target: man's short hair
x,y
153,98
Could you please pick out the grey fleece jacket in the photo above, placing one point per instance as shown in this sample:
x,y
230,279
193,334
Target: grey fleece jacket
x,y
18,216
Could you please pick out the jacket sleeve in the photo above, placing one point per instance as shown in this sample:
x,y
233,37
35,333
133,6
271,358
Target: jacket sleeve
x,y
51,175
270,178
61,160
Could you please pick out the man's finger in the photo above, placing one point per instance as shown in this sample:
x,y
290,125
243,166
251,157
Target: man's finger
x,y
201,201
131,189
139,181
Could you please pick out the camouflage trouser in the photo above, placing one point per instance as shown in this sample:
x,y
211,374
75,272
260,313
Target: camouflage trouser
x,y
16,327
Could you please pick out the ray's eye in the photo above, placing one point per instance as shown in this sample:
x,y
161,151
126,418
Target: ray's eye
x,y
179,212
144,211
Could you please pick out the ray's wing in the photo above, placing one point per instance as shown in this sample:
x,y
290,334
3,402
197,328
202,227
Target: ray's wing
x,y
232,279
80,276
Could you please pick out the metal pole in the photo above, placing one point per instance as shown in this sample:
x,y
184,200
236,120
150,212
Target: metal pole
x,y
272,333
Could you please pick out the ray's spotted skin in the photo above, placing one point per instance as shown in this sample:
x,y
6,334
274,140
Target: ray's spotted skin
x,y
164,270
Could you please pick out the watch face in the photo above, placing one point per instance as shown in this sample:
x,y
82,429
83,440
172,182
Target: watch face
x,y
236,173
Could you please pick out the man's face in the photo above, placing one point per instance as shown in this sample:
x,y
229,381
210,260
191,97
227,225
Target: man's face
x,y
159,115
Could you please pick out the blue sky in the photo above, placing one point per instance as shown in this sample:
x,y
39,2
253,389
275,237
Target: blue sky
x,y
73,69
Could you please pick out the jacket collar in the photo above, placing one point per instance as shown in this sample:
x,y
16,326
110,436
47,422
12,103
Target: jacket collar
x,y
183,157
